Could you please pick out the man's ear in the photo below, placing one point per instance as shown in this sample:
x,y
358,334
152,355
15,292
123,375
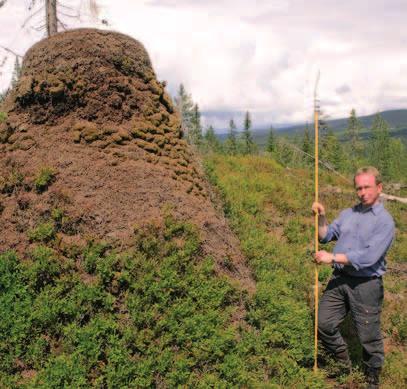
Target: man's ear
x,y
380,187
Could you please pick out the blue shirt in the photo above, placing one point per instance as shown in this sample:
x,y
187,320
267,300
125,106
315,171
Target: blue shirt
x,y
364,236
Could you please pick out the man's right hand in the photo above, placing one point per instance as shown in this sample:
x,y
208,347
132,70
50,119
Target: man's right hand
x,y
318,208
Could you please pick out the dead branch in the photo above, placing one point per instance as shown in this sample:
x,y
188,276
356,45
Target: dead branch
x,y
39,28
31,16
62,24
394,198
11,51
69,16
65,6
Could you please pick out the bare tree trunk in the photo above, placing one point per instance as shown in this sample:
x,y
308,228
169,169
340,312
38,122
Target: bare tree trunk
x,y
51,17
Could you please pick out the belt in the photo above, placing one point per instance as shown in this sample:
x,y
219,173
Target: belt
x,y
342,273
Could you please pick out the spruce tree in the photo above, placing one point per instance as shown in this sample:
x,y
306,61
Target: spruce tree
x,y
211,141
195,133
16,73
379,145
332,152
306,145
353,136
248,145
185,106
398,160
231,141
284,153
271,141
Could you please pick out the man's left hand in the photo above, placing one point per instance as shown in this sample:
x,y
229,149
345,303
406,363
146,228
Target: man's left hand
x,y
323,257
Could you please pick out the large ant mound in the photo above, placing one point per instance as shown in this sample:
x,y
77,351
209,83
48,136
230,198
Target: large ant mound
x,y
92,148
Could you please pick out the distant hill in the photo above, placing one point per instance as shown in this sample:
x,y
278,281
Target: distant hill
x,y
397,120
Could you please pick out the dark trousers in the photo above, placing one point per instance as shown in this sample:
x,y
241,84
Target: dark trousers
x,y
363,297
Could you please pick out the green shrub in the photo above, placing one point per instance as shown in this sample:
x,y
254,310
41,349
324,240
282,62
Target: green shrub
x,y
43,268
44,232
45,177
141,320
92,254
3,117
278,309
296,231
57,214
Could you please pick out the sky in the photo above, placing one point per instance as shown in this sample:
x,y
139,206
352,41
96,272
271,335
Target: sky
x,y
261,56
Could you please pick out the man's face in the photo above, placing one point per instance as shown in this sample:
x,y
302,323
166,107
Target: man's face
x,y
367,189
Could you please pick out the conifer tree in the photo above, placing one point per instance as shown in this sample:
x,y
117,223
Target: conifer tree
x,y
379,148
398,160
211,141
306,145
284,154
353,135
231,141
332,152
248,145
185,106
195,133
271,141
16,73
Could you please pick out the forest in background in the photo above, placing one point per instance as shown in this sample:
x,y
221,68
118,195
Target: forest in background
x,y
341,151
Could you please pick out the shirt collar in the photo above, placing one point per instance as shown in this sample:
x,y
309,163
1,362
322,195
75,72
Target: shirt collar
x,y
375,208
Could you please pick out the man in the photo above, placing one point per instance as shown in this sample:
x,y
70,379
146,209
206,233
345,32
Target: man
x,y
364,234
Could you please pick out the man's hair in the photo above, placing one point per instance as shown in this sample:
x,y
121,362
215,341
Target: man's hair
x,y
369,170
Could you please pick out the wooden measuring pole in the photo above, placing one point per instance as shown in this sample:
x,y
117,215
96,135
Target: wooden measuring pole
x,y
316,293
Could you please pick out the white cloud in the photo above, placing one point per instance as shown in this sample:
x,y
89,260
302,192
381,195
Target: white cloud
x,y
263,55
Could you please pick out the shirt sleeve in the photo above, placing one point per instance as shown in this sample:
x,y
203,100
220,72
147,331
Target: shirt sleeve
x,y
375,248
334,230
